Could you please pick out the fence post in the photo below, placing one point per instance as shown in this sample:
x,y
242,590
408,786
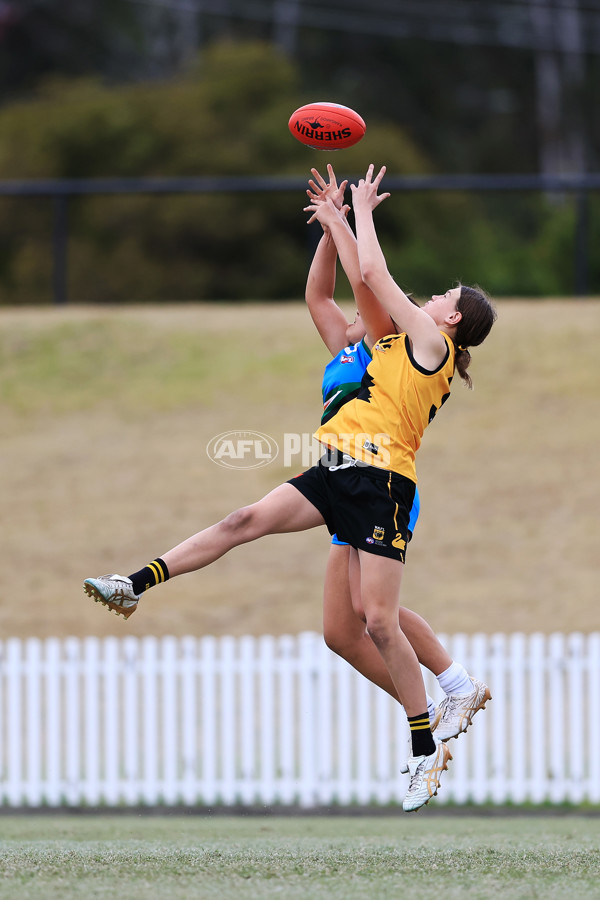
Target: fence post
x,y
517,787
344,708
578,713
557,740
287,719
537,718
59,249
306,708
169,718
593,730
54,716
582,207
227,735
130,768
479,738
33,699
14,723
324,716
266,674
209,706
150,695
189,709
111,719
72,725
248,718
92,792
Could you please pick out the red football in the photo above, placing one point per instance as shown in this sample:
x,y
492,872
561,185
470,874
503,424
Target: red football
x,y
327,126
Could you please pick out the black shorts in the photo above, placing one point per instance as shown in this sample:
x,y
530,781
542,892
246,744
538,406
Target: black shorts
x,y
367,507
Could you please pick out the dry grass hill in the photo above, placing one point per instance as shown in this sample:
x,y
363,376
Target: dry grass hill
x,y
105,418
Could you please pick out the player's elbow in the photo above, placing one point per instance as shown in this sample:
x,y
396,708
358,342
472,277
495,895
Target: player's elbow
x,y
371,275
316,298
367,272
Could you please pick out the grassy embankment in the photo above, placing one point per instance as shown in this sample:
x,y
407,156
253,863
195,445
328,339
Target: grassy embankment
x,y
106,414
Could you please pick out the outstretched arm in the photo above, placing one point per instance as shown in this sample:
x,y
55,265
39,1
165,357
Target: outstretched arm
x,y
376,320
330,321
429,347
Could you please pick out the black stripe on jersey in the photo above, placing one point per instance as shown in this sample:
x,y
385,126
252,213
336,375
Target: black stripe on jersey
x,y
416,365
364,392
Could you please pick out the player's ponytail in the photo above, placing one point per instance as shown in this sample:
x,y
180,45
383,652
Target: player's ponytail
x,y
477,317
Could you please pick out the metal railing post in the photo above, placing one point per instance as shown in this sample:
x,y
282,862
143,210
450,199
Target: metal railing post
x,y
59,249
582,208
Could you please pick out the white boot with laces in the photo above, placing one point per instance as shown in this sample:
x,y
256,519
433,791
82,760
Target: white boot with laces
x,y
455,712
425,774
114,591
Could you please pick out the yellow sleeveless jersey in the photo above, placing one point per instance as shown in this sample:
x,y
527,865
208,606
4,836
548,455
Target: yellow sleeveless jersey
x,y
383,425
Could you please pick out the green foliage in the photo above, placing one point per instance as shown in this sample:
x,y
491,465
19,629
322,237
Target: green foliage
x,y
228,116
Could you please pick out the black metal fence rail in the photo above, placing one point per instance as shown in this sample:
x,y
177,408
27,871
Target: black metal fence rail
x,y
61,189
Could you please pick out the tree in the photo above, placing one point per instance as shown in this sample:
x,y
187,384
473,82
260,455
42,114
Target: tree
x,y
39,38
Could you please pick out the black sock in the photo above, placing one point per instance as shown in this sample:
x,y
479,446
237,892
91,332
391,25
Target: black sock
x,y
154,573
420,734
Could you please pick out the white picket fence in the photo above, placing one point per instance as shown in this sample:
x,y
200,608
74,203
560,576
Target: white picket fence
x,y
268,721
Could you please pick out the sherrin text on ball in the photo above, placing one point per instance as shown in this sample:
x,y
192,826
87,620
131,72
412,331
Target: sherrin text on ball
x,y
327,126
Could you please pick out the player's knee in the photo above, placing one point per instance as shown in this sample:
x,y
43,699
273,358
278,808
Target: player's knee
x,y
333,640
345,645
239,521
380,629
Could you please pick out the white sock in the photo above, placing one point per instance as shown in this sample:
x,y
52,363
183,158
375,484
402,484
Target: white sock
x,y
431,708
455,680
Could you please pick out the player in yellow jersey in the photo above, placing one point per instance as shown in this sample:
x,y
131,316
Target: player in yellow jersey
x,y
366,504
350,344
373,439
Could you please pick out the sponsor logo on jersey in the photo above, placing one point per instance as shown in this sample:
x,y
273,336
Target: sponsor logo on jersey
x,y
399,543
371,447
346,359
385,343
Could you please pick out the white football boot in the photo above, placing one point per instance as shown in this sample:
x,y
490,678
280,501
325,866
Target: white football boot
x,y
425,774
455,712
114,591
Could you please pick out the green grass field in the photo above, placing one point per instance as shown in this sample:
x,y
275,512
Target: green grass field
x,y
338,858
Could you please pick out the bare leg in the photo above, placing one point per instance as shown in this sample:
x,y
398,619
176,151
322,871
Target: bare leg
x,y
283,510
380,589
345,631
430,652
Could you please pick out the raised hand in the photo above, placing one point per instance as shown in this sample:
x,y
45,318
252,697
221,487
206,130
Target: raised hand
x,y
325,211
365,192
321,189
